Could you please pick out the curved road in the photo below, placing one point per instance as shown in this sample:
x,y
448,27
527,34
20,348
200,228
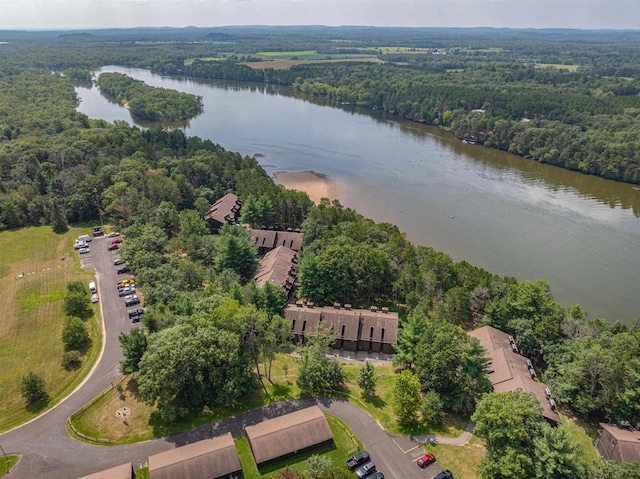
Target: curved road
x,y
48,452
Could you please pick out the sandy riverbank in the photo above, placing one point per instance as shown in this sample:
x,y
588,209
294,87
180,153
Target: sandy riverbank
x,y
316,185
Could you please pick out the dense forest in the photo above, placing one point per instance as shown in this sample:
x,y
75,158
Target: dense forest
x,y
155,186
147,102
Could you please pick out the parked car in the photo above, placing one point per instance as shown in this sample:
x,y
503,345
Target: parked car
x,y
85,238
123,270
135,315
446,474
117,240
127,290
358,459
97,232
94,298
84,250
427,459
112,246
375,475
113,234
118,261
80,244
131,300
365,470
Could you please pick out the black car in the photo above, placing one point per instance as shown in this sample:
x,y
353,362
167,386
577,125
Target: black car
x,y
131,300
358,459
375,475
135,315
365,470
446,474
123,270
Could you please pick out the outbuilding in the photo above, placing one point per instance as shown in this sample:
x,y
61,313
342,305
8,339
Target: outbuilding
x,y
209,459
124,471
287,435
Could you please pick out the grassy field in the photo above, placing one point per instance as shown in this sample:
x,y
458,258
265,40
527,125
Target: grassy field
x,y
7,463
99,420
584,434
461,460
283,64
205,59
36,266
558,66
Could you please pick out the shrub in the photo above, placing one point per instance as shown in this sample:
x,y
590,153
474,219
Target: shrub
x,y
71,360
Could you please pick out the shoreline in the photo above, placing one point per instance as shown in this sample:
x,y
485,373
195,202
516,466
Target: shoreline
x,y
316,185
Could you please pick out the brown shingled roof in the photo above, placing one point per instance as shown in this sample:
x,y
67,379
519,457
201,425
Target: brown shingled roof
x,y
387,322
298,317
510,371
208,459
276,268
263,238
225,210
290,239
338,318
125,471
621,445
288,434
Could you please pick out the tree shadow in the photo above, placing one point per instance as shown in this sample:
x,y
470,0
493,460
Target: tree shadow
x,y
39,405
281,390
375,400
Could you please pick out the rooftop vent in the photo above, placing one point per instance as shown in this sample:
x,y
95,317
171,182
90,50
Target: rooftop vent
x,y
385,309
532,372
373,309
336,305
552,403
624,425
299,304
529,363
547,391
514,347
347,306
309,304
289,229
296,230
511,339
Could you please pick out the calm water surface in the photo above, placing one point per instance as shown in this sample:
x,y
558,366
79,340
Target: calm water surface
x,y
509,215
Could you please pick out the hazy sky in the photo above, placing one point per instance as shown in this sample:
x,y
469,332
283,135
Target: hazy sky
x,y
73,14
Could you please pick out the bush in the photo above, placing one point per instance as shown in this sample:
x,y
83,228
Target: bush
x,y
71,360
32,389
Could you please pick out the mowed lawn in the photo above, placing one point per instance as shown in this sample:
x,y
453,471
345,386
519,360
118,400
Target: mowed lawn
x,y
32,316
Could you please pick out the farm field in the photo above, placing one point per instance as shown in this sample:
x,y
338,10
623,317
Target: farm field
x,y
33,278
558,66
286,64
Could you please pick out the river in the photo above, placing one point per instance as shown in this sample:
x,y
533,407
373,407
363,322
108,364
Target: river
x,y
510,215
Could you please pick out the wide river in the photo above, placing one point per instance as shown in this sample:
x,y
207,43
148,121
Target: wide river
x,y
504,213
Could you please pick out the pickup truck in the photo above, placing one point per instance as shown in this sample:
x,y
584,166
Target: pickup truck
x,y
358,459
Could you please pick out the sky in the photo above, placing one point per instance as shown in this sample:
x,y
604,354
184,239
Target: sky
x,y
87,14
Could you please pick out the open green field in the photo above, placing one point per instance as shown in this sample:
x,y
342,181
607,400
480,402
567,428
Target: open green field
x,y
557,66
99,420
461,460
36,265
385,50
286,64
205,59
309,55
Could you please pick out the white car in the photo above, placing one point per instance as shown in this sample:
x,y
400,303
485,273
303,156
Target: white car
x,y
84,250
80,244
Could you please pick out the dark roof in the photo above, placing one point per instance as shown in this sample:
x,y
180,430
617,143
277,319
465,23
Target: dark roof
x,y
290,239
342,317
125,471
272,239
288,434
621,445
508,370
263,238
277,268
208,459
225,210
379,321
300,315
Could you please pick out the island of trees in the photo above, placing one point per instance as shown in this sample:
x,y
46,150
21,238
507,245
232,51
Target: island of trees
x,y
147,102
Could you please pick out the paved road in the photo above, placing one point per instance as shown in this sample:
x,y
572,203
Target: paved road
x,y
48,452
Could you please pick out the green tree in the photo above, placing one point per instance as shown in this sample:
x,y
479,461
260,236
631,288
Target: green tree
x,y
557,454
76,304
318,372
75,335
317,466
33,389
432,409
271,299
133,345
508,423
613,470
192,365
367,379
236,251
71,360
413,328
406,397
58,219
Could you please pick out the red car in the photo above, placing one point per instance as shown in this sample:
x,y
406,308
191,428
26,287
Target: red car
x,y
117,240
112,246
427,459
